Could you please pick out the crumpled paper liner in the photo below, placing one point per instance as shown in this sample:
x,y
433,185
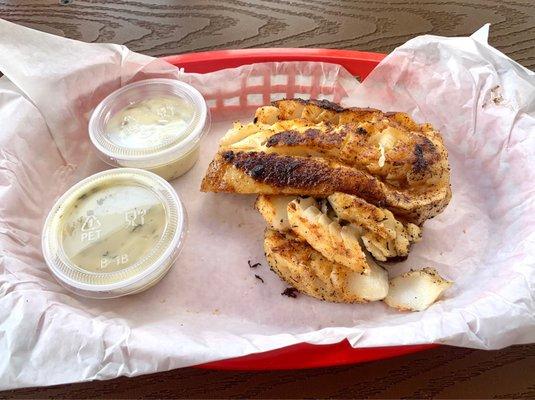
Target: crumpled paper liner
x,y
210,306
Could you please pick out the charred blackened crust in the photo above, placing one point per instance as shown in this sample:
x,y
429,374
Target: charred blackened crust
x,y
325,104
330,106
310,137
306,175
258,172
397,259
425,154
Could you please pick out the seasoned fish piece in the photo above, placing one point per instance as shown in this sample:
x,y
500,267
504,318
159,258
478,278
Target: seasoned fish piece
x,y
339,187
336,243
382,234
257,172
398,157
261,173
314,110
266,115
326,111
274,209
379,232
416,290
308,271
239,132
403,148
316,148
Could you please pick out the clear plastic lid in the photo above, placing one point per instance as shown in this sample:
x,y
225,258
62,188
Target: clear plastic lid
x,y
114,232
148,123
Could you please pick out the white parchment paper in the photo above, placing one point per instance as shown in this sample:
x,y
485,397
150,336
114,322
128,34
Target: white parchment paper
x,y
210,306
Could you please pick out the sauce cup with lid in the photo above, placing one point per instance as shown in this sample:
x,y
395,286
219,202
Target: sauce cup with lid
x,y
114,233
155,124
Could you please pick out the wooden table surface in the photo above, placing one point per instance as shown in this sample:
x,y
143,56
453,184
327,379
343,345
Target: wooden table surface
x,y
171,27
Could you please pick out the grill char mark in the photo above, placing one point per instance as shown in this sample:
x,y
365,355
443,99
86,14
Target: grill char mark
x,y
306,173
329,105
325,104
310,137
425,154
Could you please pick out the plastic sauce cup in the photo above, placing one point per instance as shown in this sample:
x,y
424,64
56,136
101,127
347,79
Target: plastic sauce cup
x,y
114,233
155,124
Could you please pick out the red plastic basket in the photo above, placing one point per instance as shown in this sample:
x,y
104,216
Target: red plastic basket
x,y
356,62
301,355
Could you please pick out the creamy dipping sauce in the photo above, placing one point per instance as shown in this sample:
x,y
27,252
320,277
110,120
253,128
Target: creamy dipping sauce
x,y
154,122
179,167
111,227
155,125
114,233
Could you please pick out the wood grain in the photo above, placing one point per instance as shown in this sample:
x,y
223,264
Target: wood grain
x,y
171,27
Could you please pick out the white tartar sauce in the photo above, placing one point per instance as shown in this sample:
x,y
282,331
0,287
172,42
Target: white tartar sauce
x,y
154,122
